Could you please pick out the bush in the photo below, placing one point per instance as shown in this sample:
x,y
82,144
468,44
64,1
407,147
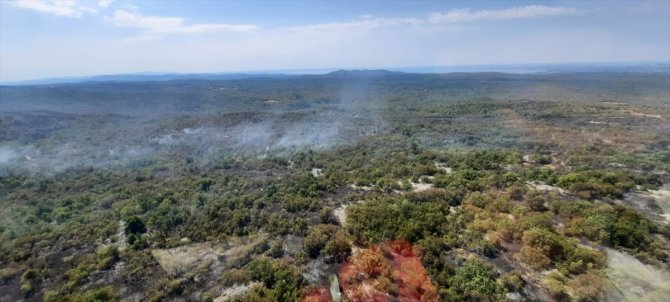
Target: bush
x,y
283,281
104,294
541,247
582,259
372,263
537,202
327,217
536,220
587,287
135,225
29,275
207,297
631,229
175,287
27,288
317,239
555,285
475,281
596,184
338,247
390,218
137,242
512,282
235,276
205,183
276,250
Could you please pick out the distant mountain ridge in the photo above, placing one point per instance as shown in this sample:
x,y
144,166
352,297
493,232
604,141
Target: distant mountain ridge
x,y
143,77
363,73
652,67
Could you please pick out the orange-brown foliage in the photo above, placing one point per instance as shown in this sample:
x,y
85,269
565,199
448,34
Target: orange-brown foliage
x,y
317,295
385,271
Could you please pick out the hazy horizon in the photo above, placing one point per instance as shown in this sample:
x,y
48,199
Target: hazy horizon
x,y
538,68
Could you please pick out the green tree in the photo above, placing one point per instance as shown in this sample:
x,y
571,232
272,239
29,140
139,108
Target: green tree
x,y
135,225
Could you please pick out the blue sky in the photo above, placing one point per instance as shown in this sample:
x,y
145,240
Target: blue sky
x,y
53,38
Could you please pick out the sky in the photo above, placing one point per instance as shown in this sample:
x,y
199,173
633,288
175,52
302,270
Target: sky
x,y
56,38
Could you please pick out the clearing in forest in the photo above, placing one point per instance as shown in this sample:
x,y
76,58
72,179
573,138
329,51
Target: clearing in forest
x,y
215,255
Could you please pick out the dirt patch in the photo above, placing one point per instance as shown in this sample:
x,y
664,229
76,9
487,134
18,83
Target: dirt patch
x,y
662,198
632,280
317,172
418,187
341,214
655,204
219,255
316,270
292,245
443,167
545,188
641,114
234,291
612,103
363,188
121,236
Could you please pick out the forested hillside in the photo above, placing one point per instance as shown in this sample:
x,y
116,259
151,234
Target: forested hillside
x,y
370,185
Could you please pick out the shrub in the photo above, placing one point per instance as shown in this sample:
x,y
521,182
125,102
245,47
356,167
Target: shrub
x,y
338,247
276,250
207,297
317,239
596,184
326,216
536,220
586,287
175,286
135,225
631,229
582,259
512,281
137,242
555,285
29,275
537,202
104,294
205,183
235,276
372,263
541,247
475,281
26,288
283,281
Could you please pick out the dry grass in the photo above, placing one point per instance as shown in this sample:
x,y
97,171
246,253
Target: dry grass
x,y
196,256
632,280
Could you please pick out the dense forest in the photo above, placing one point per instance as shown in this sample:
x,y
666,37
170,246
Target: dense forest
x,y
353,185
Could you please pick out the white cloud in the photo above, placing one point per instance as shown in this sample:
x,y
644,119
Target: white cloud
x,y
366,22
105,3
523,12
65,8
156,25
